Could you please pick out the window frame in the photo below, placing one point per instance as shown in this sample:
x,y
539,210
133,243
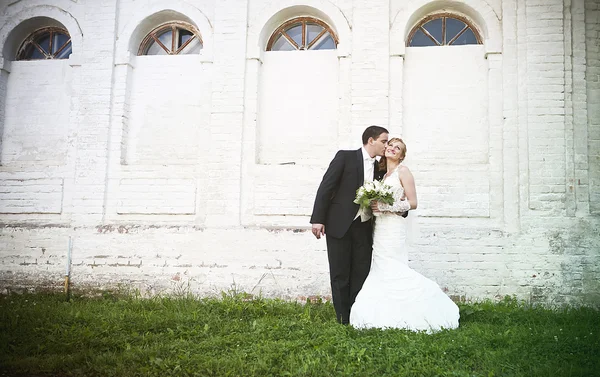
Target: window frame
x,y
173,25
468,25
304,21
30,40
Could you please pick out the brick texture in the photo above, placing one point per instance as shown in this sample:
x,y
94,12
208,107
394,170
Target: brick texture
x,y
152,165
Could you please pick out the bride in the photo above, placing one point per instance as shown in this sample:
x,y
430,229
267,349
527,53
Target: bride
x,y
394,295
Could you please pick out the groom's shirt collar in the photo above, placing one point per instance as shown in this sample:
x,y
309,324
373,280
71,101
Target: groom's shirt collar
x,y
365,153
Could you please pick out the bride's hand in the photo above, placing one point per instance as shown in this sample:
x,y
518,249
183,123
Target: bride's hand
x,y
374,206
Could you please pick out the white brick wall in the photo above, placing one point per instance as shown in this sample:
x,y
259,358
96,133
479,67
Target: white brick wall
x,y
31,196
446,100
226,119
370,66
546,105
150,164
447,129
92,119
592,75
157,196
168,121
298,102
36,115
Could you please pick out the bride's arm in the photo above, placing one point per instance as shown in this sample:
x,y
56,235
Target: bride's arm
x,y
408,182
410,195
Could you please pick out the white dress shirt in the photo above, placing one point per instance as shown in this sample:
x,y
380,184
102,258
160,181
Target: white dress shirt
x,y
369,166
368,163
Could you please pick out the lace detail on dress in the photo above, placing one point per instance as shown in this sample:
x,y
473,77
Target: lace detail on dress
x,y
399,205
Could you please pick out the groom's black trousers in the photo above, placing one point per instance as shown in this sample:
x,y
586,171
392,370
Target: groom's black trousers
x,y
349,265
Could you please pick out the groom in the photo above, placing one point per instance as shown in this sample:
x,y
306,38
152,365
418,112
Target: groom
x,y
349,240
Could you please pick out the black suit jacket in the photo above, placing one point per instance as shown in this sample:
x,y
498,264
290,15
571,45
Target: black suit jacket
x,y
334,204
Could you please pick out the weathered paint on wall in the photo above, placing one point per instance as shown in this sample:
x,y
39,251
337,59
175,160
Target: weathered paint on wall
x,y
166,170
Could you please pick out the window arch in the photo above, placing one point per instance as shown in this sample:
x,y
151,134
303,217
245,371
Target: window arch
x,y
303,33
172,38
443,29
46,43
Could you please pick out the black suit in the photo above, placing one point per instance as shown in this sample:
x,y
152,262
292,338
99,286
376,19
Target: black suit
x,y
349,241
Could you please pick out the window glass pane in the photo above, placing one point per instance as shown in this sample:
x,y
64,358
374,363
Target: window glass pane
x,y
183,36
44,41
281,44
434,27
295,33
31,52
453,27
65,53
312,31
165,39
193,47
466,38
326,42
420,40
59,40
155,49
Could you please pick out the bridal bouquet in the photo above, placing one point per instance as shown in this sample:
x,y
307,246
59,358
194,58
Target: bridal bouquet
x,y
375,190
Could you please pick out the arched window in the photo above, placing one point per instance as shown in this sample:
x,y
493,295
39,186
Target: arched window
x,y
443,30
303,33
46,43
173,38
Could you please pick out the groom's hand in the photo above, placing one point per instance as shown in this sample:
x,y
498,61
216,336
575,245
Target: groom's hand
x,y
318,230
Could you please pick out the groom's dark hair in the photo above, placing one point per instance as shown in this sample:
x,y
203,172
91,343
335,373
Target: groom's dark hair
x,y
374,132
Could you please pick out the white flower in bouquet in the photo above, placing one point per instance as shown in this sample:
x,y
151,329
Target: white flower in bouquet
x,y
375,190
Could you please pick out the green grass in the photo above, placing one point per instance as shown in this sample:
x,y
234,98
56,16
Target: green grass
x,y
235,336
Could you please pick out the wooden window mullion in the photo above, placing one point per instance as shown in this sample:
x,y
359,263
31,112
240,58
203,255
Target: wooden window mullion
x,y
429,35
443,31
160,43
185,44
317,38
50,44
304,31
459,34
62,47
173,37
40,49
290,39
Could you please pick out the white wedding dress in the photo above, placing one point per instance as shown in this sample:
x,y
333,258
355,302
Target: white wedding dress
x,y
394,295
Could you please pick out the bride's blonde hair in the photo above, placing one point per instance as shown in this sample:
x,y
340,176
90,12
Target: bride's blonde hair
x,y
383,161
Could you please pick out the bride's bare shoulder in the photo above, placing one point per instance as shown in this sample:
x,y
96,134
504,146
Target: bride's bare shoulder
x,y
404,173
403,169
